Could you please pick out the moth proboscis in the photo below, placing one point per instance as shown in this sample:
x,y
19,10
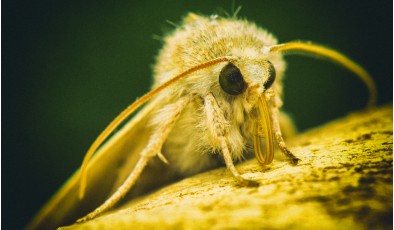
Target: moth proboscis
x,y
217,92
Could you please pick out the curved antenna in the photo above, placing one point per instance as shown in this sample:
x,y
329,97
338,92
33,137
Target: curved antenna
x,y
130,109
307,47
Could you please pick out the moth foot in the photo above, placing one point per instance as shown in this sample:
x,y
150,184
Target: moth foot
x,y
247,182
294,161
292,158
85,219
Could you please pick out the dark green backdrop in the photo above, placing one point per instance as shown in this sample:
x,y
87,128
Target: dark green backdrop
x,y
69,67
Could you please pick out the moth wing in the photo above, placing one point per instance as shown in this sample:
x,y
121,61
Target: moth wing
x,y
108,168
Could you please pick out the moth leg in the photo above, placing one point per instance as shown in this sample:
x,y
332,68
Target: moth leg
x,y
279,137
218,129
151,150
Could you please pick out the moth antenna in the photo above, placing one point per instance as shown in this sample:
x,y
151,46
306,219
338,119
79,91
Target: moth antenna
x,y
307,47
130,109
265,123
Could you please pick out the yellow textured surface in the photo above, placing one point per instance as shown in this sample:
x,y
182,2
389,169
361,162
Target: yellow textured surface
x,y
344,181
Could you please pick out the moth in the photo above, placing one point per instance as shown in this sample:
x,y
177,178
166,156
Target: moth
x,y
215,100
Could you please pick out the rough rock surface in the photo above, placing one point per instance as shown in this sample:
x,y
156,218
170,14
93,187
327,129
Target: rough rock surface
x,y
344,181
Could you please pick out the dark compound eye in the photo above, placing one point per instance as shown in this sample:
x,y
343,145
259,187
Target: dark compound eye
x,y
271,76
231,80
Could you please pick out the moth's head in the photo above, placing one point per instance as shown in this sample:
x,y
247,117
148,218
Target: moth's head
x,y
233,82
248,72
248,79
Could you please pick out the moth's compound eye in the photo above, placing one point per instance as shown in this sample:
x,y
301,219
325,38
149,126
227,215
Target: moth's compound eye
x,y
271,76
231,80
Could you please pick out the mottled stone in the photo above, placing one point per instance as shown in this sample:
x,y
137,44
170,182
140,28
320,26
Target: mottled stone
x,y
344,181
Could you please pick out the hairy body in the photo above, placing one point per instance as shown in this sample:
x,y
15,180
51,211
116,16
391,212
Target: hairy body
x,y
217,94
190,146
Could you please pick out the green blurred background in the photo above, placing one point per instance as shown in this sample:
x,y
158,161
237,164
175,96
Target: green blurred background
x,y
69,67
